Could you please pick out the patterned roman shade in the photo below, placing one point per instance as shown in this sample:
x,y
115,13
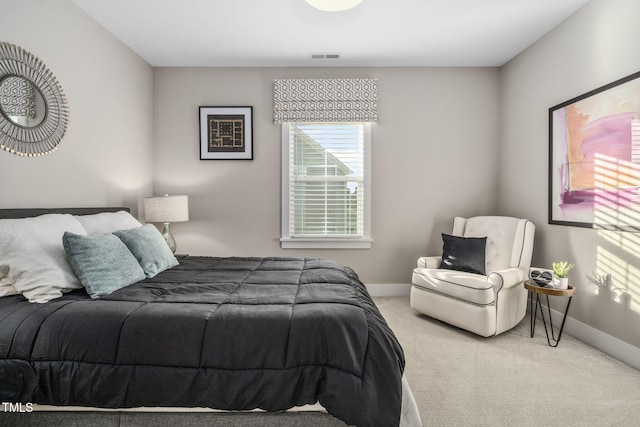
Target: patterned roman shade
x,y
325,100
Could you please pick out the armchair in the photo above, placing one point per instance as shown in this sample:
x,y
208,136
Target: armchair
x,y
485,304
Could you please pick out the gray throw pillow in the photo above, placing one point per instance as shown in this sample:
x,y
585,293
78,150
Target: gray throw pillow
x,y
102,262
149,247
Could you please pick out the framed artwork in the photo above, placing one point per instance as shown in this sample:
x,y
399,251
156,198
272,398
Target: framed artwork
x,y
594,158
226,133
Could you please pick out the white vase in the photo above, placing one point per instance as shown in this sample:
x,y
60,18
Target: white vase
x,y
560,282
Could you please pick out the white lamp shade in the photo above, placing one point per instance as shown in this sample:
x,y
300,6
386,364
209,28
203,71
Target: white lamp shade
x,y
334,5
166,209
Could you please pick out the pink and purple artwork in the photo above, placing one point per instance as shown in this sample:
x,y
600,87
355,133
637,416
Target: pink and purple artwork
x,y
594,158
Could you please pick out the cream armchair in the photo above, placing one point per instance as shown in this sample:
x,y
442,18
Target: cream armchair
x,y
485,304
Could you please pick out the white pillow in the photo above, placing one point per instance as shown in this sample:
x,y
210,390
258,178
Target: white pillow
x,y
6,289
31,248
108,222
5,285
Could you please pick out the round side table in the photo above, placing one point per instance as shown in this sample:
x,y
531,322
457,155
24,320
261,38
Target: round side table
x,y
538,290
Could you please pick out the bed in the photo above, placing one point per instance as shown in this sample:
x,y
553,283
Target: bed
x,y
232,334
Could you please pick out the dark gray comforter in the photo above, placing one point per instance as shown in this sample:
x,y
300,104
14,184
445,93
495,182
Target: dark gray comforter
x,y
226,333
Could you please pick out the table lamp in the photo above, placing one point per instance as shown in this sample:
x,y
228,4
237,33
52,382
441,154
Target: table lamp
x,y
167,209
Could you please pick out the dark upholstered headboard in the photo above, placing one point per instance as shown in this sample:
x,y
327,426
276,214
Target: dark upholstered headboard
x,y
31,212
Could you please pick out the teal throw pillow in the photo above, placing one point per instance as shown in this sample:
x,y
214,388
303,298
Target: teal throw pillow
x,y
102,263
149,247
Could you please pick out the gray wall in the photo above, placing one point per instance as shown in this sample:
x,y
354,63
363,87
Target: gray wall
x,y
594,47
105,157
434,155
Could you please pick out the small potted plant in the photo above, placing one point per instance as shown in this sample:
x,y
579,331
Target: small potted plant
x,y
560,271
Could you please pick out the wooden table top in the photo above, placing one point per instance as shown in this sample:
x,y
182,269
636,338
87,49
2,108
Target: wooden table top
x,y
530,285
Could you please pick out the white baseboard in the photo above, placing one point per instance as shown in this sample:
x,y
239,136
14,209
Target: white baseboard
x,y
389,290
606,343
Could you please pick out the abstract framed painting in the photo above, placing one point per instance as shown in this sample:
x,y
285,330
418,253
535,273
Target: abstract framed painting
x,y
226,133
594,158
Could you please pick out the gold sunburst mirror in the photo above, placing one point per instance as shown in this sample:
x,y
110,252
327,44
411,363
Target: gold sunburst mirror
x,y
33,109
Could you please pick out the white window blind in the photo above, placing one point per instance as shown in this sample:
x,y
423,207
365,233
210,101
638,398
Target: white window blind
x,y
325,187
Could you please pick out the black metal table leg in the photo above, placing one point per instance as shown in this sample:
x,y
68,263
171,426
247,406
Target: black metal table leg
x,y
553,337
532,315
553,342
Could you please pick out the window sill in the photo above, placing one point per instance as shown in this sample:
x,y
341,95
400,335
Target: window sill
x,y
309,243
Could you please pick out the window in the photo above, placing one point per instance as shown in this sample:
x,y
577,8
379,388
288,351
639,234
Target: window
x,y
325,185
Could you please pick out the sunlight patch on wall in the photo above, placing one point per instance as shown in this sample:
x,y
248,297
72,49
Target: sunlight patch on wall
x,y
618,279
616,273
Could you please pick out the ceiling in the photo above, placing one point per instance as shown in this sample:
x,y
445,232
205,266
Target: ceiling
x,y
264,33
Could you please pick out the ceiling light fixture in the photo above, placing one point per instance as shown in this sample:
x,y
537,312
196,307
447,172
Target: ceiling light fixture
x,y
334,5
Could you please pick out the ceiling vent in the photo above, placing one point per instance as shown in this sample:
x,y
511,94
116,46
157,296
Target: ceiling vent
x,y
325,56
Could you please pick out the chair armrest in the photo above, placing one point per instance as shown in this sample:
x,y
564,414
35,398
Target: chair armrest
x,y
507,278
429,261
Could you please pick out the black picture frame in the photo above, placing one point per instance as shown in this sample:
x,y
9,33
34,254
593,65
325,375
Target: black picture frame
x,y
226,133
594,158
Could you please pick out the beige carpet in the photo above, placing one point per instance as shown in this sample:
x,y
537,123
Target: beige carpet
x,y
460,379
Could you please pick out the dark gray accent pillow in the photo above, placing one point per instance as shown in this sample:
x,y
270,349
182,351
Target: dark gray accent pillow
x,y
102,262
463,253
149,247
